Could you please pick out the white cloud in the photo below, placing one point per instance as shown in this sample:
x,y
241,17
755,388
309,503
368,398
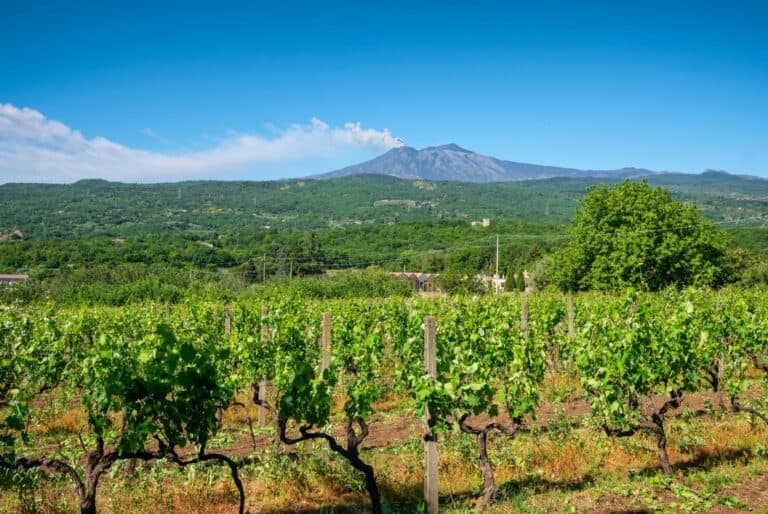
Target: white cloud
x,y
34,148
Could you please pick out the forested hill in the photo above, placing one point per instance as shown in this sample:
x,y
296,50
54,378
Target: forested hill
x,y
94,206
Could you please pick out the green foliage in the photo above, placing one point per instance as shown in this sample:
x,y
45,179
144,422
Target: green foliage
x,y
755,273
635,235
164,382
460,281
304,394
739,335
161,377
485,364
369,283
303,389
358,337
633,347
32,359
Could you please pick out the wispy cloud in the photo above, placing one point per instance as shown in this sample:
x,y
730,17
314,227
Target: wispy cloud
x,y
35,148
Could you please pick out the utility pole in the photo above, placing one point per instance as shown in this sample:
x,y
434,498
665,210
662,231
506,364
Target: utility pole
x,y
264,268
290,272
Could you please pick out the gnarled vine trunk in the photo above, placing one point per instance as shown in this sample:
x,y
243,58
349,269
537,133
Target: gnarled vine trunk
x,y
351,453
654,423
736,406
481,433
259,399
489,483
99,462
661,444
370,481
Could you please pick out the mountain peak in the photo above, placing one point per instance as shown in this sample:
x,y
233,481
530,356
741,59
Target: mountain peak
x,y
450,146
453,163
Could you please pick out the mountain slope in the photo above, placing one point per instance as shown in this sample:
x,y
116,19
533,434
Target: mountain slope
x,y
451,162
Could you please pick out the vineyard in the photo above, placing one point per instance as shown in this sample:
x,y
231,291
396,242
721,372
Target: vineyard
x,y
384,403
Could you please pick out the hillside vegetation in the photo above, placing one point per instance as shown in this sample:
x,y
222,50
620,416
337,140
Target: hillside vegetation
x,y
94,206
134,241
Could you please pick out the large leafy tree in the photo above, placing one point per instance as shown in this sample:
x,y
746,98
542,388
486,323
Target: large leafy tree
x,y
634,235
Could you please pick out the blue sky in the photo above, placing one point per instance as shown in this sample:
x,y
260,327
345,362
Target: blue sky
x,y
185,90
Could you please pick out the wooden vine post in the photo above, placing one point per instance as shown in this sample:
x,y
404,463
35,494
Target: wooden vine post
x,y
571,317
263,383
326,341
430,439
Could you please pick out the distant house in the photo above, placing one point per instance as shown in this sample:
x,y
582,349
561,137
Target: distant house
x,y
498,284
9,280
427,282
486,222
493,283
419,281
411,278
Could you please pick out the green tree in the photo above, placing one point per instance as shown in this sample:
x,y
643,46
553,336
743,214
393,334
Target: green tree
x,y
634,235
456,280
